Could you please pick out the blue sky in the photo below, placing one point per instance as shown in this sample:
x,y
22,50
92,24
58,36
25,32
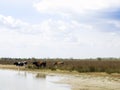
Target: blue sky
x,y
60,28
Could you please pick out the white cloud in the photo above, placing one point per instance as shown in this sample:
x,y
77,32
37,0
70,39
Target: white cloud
x,y
9,21
74,39
58,31
76,6
116,23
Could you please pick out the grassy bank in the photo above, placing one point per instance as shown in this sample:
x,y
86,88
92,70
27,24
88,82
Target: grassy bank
x,y
71,65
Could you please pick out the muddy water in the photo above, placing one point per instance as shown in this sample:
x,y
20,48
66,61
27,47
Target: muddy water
x,y
21,80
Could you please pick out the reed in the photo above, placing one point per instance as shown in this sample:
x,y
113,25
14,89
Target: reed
x,y
80,65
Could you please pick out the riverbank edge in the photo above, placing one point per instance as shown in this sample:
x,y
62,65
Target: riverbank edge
x,y
44,71
73,76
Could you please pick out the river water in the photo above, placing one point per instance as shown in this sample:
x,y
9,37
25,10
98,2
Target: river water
x,y
21,80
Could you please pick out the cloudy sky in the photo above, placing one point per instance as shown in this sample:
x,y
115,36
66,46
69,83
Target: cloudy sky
x,y
60,28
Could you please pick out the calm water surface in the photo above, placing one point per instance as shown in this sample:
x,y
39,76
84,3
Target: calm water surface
x,y
21,80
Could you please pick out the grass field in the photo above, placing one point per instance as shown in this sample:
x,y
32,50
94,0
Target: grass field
x,y
79,65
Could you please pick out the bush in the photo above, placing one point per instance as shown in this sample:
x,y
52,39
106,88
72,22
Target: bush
x,y
92,69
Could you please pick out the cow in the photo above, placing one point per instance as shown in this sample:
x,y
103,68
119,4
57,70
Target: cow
x,y
58,63
20,63
40,63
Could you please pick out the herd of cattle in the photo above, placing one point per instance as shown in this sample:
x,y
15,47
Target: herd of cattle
x,y
37,63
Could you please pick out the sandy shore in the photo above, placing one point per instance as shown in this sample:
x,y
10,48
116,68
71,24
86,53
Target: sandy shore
x,y
93,81
81,81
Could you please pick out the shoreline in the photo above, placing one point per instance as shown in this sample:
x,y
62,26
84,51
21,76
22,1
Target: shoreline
x,y
79,81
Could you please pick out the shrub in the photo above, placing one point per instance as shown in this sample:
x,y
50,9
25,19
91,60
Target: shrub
x,y
92,69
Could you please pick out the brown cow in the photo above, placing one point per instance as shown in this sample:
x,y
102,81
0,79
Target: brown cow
x,y
58,63
40,64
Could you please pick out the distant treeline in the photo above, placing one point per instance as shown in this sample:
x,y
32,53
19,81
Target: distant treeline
x,y
109,65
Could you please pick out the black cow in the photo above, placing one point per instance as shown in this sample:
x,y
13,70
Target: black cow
x,y
40,64
20,63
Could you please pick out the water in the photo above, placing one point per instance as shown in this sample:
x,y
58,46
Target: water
x,y
21,80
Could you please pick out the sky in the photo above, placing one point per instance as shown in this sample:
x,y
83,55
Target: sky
x,y
59,28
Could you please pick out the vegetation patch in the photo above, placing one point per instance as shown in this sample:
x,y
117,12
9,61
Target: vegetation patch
x,y
80,65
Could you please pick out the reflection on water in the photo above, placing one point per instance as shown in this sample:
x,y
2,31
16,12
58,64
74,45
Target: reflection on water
x,y
40,75
22,80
